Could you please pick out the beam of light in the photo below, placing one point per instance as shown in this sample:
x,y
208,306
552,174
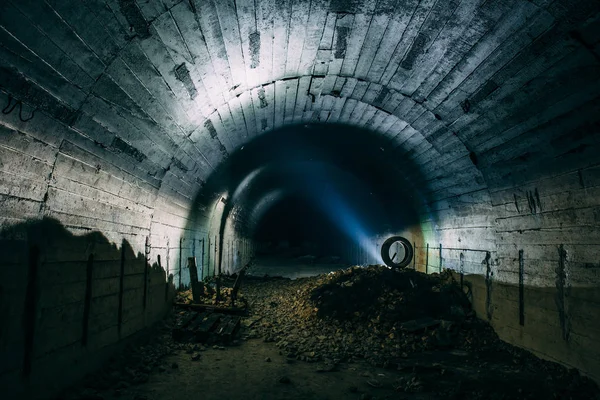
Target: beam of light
x,y
321,190
342,215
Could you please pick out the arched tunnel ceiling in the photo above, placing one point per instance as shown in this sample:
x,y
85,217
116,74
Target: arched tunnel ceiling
x,y
116,115
174,87
329,166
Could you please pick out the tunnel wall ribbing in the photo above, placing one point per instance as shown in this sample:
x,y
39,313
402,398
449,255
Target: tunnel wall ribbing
x,y
157,106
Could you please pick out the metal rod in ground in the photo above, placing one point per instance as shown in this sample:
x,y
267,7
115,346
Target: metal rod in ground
x,y
215,258
440,271
427,259
521,289
202,261
218,296
208,258
194,279
462,270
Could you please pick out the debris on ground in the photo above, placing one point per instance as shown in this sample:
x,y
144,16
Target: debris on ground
x,y
401,320
373,313
205,327
419,327
208,295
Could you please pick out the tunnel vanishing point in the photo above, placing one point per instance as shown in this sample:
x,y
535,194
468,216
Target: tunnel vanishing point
x,y
137,133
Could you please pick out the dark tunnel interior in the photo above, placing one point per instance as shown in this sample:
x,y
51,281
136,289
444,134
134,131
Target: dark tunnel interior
x,y
316,184
299,199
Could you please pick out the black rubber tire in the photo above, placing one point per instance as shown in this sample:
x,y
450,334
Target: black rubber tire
x,y
408,252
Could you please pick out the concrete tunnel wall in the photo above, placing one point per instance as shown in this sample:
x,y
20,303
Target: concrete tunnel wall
x,y
118,112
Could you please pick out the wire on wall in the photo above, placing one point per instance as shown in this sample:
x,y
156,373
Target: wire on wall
x,y
10,108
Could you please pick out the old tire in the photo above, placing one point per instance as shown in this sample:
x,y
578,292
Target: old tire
x,y
408,252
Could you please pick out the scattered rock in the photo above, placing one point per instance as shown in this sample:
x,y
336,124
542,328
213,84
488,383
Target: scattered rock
x,y
268,359
195,356
284,379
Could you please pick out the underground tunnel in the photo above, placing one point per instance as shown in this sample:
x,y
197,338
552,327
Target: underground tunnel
x,y
197,199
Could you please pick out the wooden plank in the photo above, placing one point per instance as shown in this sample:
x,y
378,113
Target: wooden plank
x,y
179,332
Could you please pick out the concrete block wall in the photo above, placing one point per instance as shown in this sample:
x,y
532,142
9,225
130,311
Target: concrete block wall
x,y
68,299
530,262
78,273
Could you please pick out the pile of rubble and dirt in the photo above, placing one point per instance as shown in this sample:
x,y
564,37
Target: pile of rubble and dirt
x,y
419,327
372,313
399,319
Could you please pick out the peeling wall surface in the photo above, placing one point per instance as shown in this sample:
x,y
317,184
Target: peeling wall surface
x,y
120,116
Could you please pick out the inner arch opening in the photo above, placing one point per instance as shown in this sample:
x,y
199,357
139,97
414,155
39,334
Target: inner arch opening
x,y
327,191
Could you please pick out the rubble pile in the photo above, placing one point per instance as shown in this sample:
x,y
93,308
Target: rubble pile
x,y
372,313
398,319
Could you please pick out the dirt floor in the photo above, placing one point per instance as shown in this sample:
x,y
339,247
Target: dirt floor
x,y
356,334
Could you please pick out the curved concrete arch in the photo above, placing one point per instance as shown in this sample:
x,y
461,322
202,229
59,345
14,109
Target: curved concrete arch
x,y
116,114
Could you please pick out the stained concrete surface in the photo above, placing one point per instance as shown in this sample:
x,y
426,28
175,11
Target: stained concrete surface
x,y
489,110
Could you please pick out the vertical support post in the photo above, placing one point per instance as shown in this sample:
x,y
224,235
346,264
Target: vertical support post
x,y
461,269
414,256
180,259
194,279
208,258
521,289
166,279
29,310
427,259
146,267
168,271
202,261
440,269
563,291
215,258
121,283
488,285
218,296
87,299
